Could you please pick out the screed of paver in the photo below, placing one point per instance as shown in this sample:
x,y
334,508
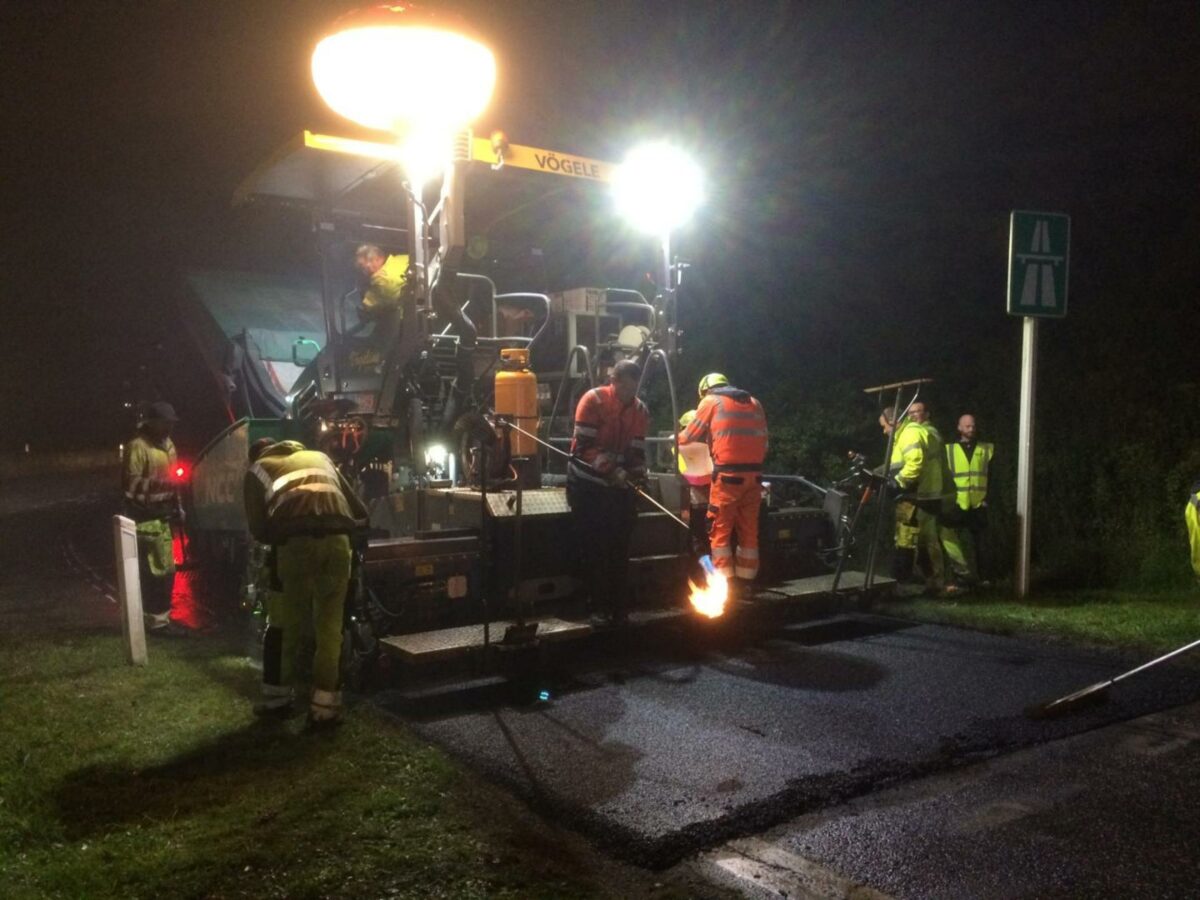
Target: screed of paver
x,y
658,762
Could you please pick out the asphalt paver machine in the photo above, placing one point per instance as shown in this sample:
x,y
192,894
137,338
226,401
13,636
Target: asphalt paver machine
x,y
471,545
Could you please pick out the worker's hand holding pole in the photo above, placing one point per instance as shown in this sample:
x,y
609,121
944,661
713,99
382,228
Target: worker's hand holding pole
x,y
625,477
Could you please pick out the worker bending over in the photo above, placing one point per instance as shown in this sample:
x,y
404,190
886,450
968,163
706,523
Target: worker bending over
x,y
915,471
734,426
298,502
151,502
969,460
608,453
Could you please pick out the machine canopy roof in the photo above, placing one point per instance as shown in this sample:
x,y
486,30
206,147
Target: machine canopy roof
x,y
303,172
276,310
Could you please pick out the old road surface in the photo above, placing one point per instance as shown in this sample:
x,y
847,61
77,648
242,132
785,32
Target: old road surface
x,y
855,756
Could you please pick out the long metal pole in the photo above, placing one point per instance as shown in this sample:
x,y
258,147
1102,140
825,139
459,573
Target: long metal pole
x,y
1025,454
637,490
873,550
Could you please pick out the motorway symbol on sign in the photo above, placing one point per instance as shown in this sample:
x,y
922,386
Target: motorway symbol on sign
x,y
1039,246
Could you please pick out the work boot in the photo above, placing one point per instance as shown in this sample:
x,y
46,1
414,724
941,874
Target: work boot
x,y
170,629
156,621
325,711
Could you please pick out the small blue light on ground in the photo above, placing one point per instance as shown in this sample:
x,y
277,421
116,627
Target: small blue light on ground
x,y
543,695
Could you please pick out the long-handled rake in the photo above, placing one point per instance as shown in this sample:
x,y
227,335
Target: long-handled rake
x,y
1095,692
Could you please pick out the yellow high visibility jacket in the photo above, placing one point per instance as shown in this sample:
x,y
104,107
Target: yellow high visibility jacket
x,y
970,476
146,478
916,461
291,490
1191,515
684,421
383,293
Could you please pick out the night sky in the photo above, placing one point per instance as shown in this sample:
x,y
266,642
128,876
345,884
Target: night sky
x,y
863,159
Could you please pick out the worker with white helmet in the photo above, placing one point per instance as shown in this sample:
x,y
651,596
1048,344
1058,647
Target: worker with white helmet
x,y
733,425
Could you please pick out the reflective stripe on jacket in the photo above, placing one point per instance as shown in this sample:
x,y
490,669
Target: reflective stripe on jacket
x,y
970,476
146,478
291,490
734,426
608,434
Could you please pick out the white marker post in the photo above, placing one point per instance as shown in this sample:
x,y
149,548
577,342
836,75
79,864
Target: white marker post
x,y
1039,246
129,590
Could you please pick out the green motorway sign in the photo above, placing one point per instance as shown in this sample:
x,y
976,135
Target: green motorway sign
x,y
1039,247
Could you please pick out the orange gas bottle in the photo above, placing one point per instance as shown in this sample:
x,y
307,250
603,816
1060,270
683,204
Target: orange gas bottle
x,y
516,399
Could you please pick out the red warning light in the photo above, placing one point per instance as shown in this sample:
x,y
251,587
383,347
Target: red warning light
x,y
180,472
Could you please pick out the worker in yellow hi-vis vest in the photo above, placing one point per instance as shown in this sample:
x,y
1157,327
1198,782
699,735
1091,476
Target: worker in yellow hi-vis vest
x,y
298,502
151,501
1191,515
385,279
969,461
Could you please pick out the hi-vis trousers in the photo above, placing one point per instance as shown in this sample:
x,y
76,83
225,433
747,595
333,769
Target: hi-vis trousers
x,y
733,513
315,572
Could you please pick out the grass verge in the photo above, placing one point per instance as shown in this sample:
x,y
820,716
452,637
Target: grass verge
x,y
156,782
1142,621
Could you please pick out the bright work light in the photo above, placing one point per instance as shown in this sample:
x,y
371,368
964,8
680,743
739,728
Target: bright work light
x,y
436,456
396,68
423,154
658,187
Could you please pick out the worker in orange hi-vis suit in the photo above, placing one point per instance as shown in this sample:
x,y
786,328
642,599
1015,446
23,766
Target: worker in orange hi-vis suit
x,y
734,426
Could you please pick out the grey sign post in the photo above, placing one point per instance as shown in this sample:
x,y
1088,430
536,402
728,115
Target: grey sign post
x,y
1039,247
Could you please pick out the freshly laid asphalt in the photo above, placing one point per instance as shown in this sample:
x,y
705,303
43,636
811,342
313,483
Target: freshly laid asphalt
x,y
656,759
1109,813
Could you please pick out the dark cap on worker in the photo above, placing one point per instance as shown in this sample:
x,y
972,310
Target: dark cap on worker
x,y
161,411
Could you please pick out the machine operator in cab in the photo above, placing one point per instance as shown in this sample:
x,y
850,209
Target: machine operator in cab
x,y
385,277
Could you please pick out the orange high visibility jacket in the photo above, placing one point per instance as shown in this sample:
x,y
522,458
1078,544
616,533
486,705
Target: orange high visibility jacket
x,y
608,434
734,426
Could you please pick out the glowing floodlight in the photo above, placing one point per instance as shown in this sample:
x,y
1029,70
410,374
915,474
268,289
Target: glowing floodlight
x,y
397,67
423,154
436,456
658,187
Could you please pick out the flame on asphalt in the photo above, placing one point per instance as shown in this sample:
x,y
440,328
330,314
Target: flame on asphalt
x,y
710,600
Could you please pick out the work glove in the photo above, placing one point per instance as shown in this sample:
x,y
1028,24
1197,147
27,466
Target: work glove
x,y
618,477
896,486
636,477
